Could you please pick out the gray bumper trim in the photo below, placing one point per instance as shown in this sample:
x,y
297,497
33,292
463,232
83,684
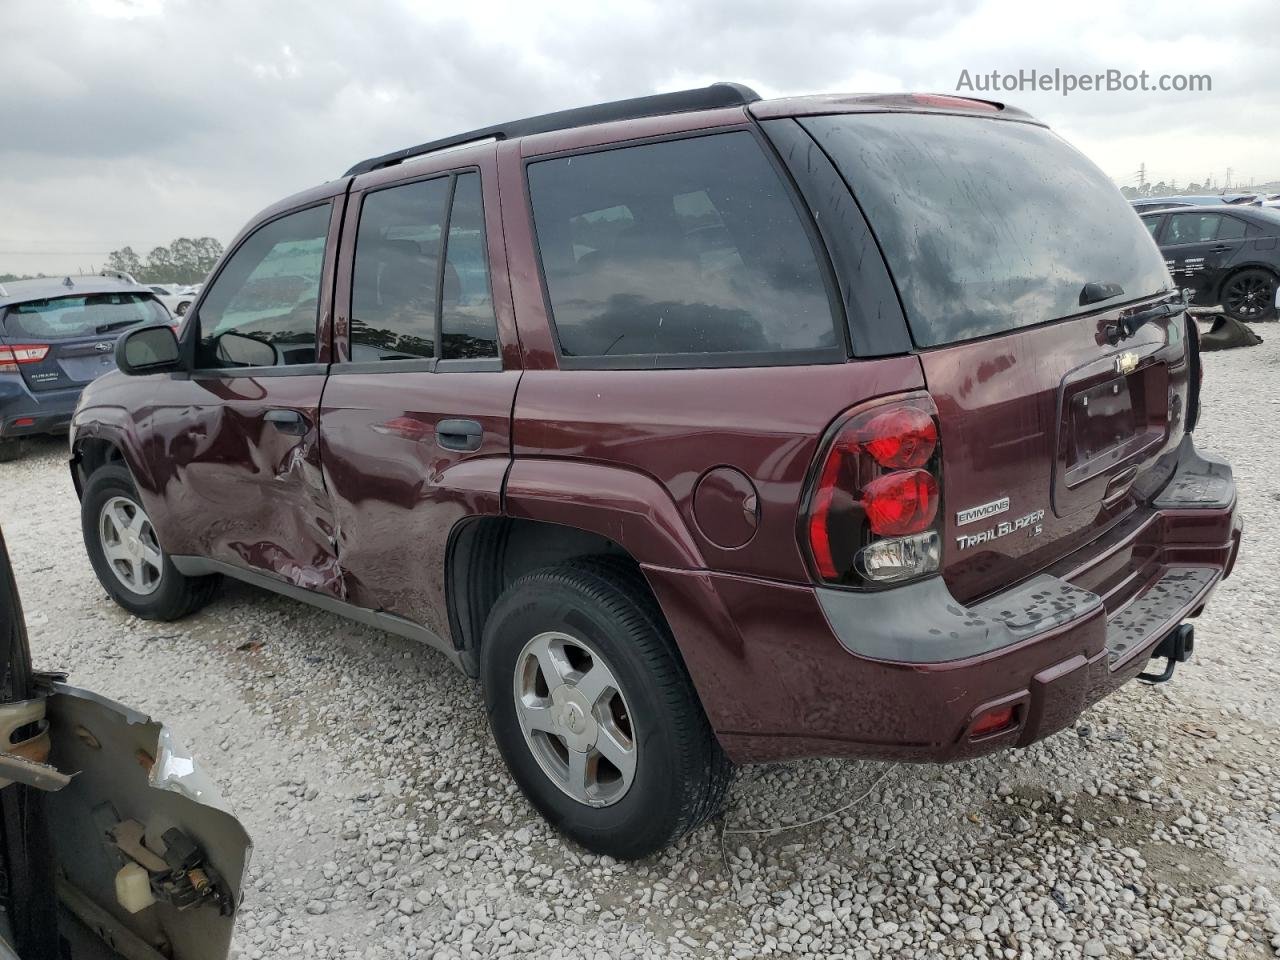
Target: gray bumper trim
x,y
922,623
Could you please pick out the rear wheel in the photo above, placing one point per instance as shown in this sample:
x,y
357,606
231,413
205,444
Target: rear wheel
x,y
594,712
12,449
126,553
1250,295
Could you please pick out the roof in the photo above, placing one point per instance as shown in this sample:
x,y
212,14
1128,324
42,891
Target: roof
x,y
717,95
44,288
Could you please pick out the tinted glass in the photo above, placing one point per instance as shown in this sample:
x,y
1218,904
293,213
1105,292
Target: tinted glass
x,y
1231,229
988,225
688,247
1152,224
269,291
467,324
393,293
86,316
1192,228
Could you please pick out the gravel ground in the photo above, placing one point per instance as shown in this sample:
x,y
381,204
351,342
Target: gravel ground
x,y
386,825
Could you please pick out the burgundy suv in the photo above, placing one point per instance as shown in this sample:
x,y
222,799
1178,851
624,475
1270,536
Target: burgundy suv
x,y
702,430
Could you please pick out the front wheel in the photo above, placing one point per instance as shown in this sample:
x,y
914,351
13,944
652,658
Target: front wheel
x,y
126,553
1250,295
594,712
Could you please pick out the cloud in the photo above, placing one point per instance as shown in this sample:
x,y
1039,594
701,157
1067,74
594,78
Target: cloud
x,y
135,121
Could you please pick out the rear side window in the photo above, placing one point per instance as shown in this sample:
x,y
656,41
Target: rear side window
x,y
988,225
400,296
468,329
91,315
1199,228
685,250
393,293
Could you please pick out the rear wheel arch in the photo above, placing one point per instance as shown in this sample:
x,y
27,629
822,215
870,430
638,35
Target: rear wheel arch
x,y
485,555
1237,270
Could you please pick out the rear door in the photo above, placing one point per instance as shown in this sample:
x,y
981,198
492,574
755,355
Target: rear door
x,y
1012,254
1200,247
416,419
234,445
70,340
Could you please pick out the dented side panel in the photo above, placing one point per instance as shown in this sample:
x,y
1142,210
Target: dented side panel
x,y
230,486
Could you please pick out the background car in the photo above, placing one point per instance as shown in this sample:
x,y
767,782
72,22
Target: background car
x,y
56,335
104,846
1146,204
1228,256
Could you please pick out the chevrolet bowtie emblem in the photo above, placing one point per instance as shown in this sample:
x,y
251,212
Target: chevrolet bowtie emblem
x,y
1126,363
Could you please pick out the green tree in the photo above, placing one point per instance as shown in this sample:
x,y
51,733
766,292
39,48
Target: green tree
x,y
125,259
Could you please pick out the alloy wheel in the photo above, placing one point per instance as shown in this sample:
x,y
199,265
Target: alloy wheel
x,y
130,546
575,718
1249,296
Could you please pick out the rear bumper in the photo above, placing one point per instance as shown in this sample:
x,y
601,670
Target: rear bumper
x,y
904,674
24,414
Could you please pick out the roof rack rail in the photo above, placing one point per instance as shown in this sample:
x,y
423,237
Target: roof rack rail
x,y
681,101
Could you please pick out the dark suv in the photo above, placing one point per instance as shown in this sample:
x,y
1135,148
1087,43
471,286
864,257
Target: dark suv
x,y
702,430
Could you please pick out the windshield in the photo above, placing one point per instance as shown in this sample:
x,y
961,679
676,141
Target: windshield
x,y
82,316
988,225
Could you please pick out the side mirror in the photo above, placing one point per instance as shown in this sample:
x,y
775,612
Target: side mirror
x,y
148,350
237,350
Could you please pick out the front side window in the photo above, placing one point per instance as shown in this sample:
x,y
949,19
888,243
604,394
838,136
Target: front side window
x,y
396,270
263,307
1152,224
681,249
988,225
91,315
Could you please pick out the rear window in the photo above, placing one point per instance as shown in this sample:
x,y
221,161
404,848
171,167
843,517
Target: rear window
x,y
82,316
682,250
988,225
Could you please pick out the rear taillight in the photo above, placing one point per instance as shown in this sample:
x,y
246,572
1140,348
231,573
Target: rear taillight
x,y
1195,378
875,498
13,356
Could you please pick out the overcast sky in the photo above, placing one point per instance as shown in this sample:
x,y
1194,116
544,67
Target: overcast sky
x,y
137,121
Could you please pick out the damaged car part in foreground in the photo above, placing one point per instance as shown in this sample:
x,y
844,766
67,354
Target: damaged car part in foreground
x,y
113,843
700,429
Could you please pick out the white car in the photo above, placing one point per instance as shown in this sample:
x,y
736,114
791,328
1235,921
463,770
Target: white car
x,y
175,296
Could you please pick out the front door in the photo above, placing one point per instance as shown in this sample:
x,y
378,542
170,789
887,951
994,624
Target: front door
x,y
234,446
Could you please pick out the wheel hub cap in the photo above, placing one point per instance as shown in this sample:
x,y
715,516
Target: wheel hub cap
x,y
129,545
574,718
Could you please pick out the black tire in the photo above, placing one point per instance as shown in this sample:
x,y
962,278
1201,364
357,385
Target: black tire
x,y
11,450
174,596
681,773
1250,295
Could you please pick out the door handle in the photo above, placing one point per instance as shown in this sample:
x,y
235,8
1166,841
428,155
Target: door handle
x,y
288,421
459,434
1221,248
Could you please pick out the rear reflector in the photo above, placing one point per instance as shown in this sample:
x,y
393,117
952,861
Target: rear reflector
x,y
992,721
24,422
12,356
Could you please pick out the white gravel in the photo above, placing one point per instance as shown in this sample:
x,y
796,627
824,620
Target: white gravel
x,y
386,825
